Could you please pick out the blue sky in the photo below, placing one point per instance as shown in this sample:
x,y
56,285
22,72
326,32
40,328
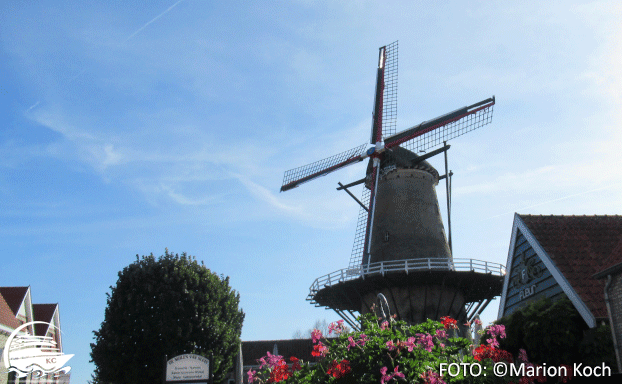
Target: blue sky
x,y
128,127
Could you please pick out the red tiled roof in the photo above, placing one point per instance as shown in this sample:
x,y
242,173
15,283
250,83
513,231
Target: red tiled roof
x,y
300,348
14,297
7,317
616,256
581,246
43,312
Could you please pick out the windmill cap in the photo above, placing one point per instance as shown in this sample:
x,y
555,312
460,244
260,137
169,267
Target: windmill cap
x,y
402,158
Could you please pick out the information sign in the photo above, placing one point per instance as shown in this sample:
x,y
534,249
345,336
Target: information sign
x,y
187,368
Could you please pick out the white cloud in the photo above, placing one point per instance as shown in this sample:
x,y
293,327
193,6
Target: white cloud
x,y
263,194
181,199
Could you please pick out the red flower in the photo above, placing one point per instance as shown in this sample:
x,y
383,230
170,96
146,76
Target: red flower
x,y
339,370
279,373
319,350
488,352
448,322
296,365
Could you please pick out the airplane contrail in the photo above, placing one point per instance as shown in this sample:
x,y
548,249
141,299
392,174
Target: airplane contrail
x,y
32,106
129,37
152,20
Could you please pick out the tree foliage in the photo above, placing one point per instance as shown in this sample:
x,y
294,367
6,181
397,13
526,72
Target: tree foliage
x,y
171,305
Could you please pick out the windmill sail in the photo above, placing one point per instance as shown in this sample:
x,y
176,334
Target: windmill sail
x,y
451,125
389,96
385,102
295,177
356,257
376,125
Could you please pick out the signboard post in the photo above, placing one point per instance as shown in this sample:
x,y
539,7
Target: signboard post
x,y
188,368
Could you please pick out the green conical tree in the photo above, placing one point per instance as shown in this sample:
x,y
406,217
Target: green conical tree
x,y
166,306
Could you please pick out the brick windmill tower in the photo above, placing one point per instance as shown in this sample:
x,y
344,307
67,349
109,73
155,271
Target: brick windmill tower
x,y
400,249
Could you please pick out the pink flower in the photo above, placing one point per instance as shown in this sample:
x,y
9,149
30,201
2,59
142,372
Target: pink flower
x,y
398,374
431,377
410,343
352,343
441,334
497,330
384,325
493,342
363,340
391,345
270,360
426,341
383,372
386,378
316,335
360,343
251,376
337,327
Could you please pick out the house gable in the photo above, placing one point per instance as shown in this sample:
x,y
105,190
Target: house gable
x,y
532,273
45,313
20,302
14,297
8,322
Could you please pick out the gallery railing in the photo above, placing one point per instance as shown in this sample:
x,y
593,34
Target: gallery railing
x,y
406,266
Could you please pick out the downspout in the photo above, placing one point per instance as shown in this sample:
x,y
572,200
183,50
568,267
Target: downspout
x,y
611,323
239,366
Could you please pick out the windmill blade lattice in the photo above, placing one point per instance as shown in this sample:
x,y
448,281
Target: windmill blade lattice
x,y
295,177
432,133
356,258
389,99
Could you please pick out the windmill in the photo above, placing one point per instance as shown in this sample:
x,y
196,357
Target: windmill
x,y
400,250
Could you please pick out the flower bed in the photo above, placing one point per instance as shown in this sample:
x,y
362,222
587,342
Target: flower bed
x,y
390,351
